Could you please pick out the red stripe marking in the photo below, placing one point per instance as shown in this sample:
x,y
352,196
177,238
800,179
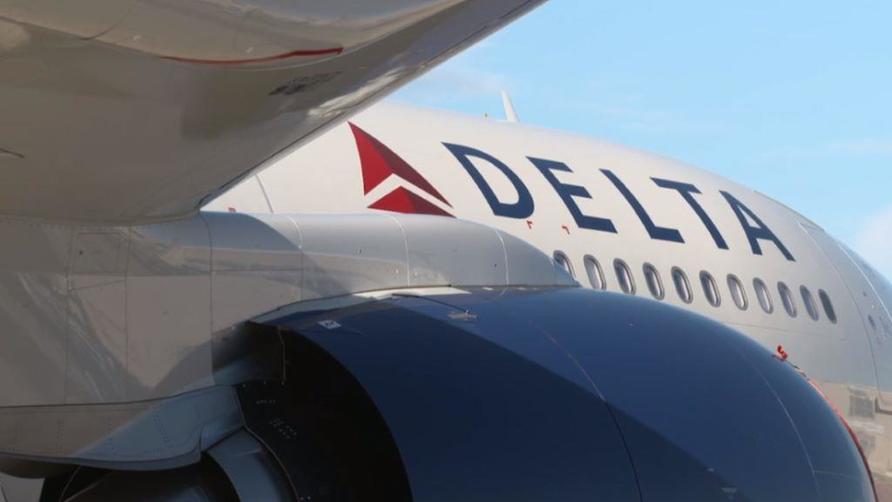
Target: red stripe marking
x,y
265,59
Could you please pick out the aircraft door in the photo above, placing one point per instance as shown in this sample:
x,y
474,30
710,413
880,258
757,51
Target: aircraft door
x,y
872,296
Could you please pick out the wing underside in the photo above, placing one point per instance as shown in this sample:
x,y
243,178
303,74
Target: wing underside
x,y
128,115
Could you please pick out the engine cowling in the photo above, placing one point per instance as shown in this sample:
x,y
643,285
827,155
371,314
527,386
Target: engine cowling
x,y
514,394
567,394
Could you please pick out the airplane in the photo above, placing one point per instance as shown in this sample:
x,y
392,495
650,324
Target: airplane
x,y
621,220
230,272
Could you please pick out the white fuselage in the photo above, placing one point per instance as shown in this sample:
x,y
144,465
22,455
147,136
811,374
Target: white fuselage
x,y
632,209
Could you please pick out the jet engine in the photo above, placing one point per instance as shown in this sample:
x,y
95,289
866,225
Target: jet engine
x,y
522,394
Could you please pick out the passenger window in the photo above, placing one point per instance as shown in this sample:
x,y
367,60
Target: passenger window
x,y
710,289
763,295
624,277
829,311
787,299
561,259
595,273
810,306
873,324
654,283
682,286
738,294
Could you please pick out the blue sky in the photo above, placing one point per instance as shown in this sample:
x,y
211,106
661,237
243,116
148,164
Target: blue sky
x,y
791,98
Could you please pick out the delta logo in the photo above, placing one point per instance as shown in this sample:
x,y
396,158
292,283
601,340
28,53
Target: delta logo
x,y
379,163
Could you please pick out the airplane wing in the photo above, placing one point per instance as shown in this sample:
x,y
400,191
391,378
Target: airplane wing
x,y
131,111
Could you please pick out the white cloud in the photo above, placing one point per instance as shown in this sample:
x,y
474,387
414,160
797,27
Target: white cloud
x,y
637,118
621,105
799,157
457,81
868,146
874,241
460,79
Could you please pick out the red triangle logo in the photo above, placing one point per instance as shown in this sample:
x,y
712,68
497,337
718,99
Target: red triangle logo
x,y
380,162
401,200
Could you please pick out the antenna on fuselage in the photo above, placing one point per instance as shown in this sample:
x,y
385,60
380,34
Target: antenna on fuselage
x,y
510,112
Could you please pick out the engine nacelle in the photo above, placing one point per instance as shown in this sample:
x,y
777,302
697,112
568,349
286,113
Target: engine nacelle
x,y
568,394
521,394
